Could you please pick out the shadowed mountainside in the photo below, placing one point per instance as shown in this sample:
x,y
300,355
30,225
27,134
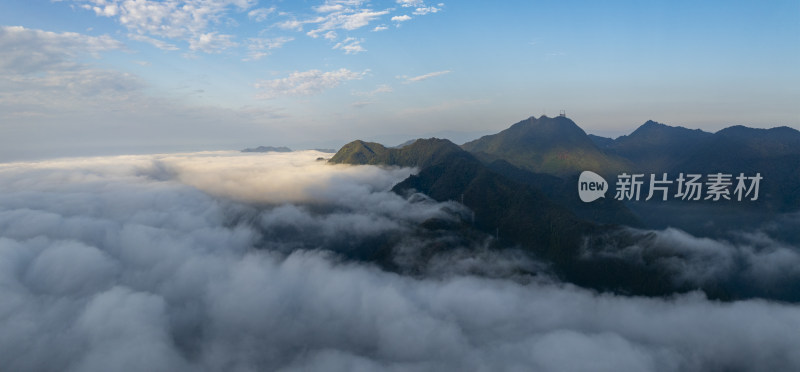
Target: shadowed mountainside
x,y
655,147
541,212
775,153
515,211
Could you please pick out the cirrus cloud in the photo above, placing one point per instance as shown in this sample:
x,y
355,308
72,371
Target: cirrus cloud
x,y
306,82
414,79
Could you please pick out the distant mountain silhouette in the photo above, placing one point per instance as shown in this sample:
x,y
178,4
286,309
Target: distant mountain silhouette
x,y
657,147
268,149
546,145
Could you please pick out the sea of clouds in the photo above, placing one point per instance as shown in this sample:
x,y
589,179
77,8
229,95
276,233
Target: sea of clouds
x,y
241,262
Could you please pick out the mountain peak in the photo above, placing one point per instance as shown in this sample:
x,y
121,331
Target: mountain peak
x,y
653,131
547,145
652,125
539,131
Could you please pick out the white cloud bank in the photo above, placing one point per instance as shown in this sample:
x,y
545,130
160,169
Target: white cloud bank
x,y
150,263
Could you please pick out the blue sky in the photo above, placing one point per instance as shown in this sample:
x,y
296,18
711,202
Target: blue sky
x,y
99,76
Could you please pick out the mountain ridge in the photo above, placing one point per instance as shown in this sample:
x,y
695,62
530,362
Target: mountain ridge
x,y
267,149
546,145
541,213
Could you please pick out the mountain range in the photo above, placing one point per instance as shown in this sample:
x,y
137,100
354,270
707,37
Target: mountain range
x,y
558,147
521,184
654,147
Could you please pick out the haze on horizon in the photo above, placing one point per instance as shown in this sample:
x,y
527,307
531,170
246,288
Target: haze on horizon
x,y
87,77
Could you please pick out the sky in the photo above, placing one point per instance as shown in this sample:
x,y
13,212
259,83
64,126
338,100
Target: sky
x,y
96,77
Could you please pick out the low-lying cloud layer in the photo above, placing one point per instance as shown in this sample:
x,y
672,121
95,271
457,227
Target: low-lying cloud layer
x,y
226,261
744,264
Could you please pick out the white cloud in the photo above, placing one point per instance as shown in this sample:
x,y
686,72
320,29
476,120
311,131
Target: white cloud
x,y
259,47
211,42
427,76
410,3
335,15
48,93
160,263
260,14
328,7
383,88
350,45
291,24
29,50
348,15
421,8
39,73
155,42
426,10
755,260
346,20
306,82
199,23
186,20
